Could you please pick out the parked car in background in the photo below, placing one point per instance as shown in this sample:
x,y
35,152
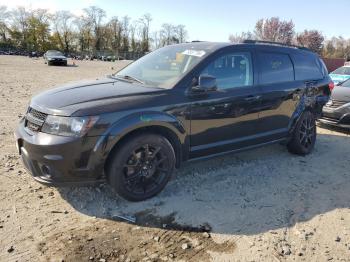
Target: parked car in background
x,y
110,58
178,103
33,54
54,57
337,111
340,75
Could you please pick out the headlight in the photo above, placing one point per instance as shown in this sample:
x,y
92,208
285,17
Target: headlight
x,y
68,126
49,58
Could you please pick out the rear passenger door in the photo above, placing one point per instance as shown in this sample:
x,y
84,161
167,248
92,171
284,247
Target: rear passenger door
x,y
279,93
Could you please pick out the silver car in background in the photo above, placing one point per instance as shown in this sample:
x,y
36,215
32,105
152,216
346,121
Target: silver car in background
x,y
54,57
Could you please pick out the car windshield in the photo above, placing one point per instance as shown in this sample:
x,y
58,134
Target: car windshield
x,y
164,67
346,83
342,71
54,53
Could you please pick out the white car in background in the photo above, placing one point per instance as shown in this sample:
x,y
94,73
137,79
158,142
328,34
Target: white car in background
x,y
341,74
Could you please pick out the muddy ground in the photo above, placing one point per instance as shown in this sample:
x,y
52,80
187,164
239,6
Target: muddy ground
x,y
261,205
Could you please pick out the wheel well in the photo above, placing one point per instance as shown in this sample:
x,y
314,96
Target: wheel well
x,y
159,130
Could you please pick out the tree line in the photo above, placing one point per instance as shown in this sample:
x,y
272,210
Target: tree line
x,y
90,33
277,30
93,33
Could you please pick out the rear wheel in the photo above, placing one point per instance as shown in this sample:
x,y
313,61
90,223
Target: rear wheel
x,y
304,135
141,167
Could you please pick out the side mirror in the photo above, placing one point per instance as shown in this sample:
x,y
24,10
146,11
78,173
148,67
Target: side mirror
x,y
205,83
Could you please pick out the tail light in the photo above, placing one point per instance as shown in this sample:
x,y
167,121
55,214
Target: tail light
x,y
331,86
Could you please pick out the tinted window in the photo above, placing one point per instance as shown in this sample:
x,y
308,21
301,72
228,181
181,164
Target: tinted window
x,y
54,53
232,70
307,67
275,68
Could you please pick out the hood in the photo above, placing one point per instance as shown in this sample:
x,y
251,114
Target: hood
x,y
341,93
90,97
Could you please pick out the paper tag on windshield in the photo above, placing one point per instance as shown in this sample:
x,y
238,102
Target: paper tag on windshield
x,y
198,53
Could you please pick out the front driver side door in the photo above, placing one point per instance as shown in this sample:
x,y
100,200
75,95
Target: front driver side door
x,y
226,119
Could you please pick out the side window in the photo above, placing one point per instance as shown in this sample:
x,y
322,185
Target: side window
x,y
231,70
275,68
308,67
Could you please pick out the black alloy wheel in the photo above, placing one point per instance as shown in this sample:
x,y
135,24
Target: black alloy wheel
x,y
141,167
304,136
145,169
307,132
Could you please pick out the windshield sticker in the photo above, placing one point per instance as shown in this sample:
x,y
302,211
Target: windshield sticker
x,y
198,53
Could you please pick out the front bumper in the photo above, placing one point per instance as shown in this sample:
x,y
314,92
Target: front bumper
x,y
57,62
59,161
336,116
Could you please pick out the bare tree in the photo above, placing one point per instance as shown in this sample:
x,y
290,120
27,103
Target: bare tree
x,y
133,41
94,17
82,32
145,20
181,33
38,32
19,26
63,24
167,34
312,39
125,33
275,30
115,34
156,40
4,16
338,47
239,38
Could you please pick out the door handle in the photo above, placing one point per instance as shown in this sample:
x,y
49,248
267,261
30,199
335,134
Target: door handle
x,y
252,98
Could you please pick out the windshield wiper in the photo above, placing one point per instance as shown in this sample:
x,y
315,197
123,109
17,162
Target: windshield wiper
x,y
130,78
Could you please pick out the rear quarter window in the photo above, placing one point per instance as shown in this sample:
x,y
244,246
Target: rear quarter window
x,y
275,68
308,67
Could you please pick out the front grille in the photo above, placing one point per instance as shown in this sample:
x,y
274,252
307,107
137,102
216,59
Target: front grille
x,y
34,119
37,114
336,103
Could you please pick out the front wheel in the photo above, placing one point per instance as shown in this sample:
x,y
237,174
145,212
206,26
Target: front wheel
x,y
304,136
141,167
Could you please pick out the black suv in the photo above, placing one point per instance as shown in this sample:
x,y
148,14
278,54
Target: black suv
x,y
178,103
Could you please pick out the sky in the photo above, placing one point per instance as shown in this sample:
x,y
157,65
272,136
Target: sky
x,y
215,20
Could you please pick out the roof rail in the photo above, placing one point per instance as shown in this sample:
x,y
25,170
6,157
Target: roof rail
x,y
248,41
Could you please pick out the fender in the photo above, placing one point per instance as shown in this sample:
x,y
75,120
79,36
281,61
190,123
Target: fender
x,y
312,103
134,121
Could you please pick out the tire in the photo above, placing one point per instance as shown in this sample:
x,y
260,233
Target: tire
x,y
137,175
304,136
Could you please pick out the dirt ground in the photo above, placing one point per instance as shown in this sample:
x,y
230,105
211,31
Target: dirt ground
x,y
261,205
